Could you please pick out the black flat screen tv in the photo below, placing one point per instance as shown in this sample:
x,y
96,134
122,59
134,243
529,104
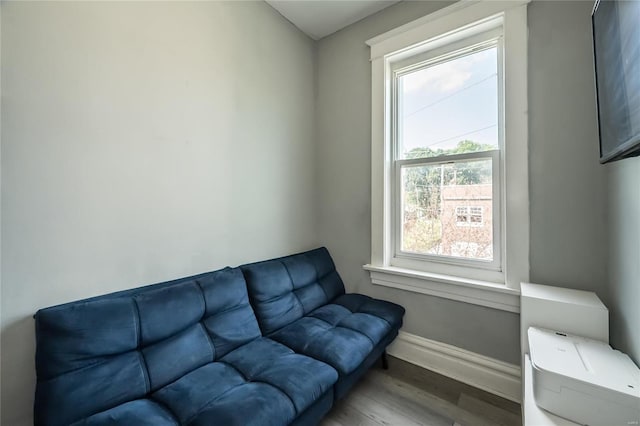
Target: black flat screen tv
x,y
616,44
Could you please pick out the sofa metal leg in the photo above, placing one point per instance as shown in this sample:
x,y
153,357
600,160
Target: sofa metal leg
x,y
385,362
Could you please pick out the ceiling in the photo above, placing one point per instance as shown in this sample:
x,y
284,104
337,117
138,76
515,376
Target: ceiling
x,y
319,18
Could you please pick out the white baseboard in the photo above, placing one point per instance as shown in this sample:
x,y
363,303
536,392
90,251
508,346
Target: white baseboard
x,y
489,374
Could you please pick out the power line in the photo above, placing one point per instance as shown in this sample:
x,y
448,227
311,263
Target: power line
x,y
449,96
459,136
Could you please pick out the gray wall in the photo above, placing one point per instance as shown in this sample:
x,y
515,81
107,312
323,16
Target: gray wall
x,y
567,183
624,256
143,142
567,248
344,188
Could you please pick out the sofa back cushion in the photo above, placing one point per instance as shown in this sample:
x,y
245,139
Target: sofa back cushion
x,y
95,354
283,290
86,360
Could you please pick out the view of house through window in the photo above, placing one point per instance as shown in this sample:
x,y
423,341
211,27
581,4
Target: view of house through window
x,y
447,124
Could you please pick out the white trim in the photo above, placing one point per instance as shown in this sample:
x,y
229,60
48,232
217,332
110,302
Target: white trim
x,y
434,53
516,150
476,292
489,374
431,26
380,163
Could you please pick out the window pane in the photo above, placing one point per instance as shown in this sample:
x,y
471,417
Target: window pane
x,y
450,107
447,209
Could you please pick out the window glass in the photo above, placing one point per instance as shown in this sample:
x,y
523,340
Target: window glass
x,y
449,107
446,209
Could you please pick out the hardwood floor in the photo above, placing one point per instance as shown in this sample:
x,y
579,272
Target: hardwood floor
x,y
409,395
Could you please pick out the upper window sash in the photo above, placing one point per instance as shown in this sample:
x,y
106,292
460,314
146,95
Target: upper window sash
x,y
448,51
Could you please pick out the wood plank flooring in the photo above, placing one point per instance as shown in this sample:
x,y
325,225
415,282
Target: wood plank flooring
x,y
409,395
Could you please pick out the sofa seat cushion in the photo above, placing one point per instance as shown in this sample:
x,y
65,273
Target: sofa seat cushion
x,y
359,303
261,382
343,332
141,412
303,379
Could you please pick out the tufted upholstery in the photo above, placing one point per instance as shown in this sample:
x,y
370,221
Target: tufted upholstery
x,y
299,301
343,332
262,377
283,290
150,356
141,412
269,343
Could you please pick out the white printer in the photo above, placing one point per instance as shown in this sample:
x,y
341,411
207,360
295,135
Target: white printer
x,y
584,380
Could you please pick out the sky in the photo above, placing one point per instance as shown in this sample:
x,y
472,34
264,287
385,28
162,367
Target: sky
x,y
449,102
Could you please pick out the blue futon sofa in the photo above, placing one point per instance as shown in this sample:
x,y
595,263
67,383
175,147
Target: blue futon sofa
x,y
269,343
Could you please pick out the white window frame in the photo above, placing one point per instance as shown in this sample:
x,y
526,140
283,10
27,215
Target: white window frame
x,y
459,21
485,34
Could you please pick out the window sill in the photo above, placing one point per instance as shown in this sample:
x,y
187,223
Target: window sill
x,y
476,292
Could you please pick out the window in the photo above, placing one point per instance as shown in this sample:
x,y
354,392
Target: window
x,y
449,189
447,129
470,216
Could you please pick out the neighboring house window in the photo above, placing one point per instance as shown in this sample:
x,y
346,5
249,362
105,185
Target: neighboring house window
x,y
469,216
449,152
